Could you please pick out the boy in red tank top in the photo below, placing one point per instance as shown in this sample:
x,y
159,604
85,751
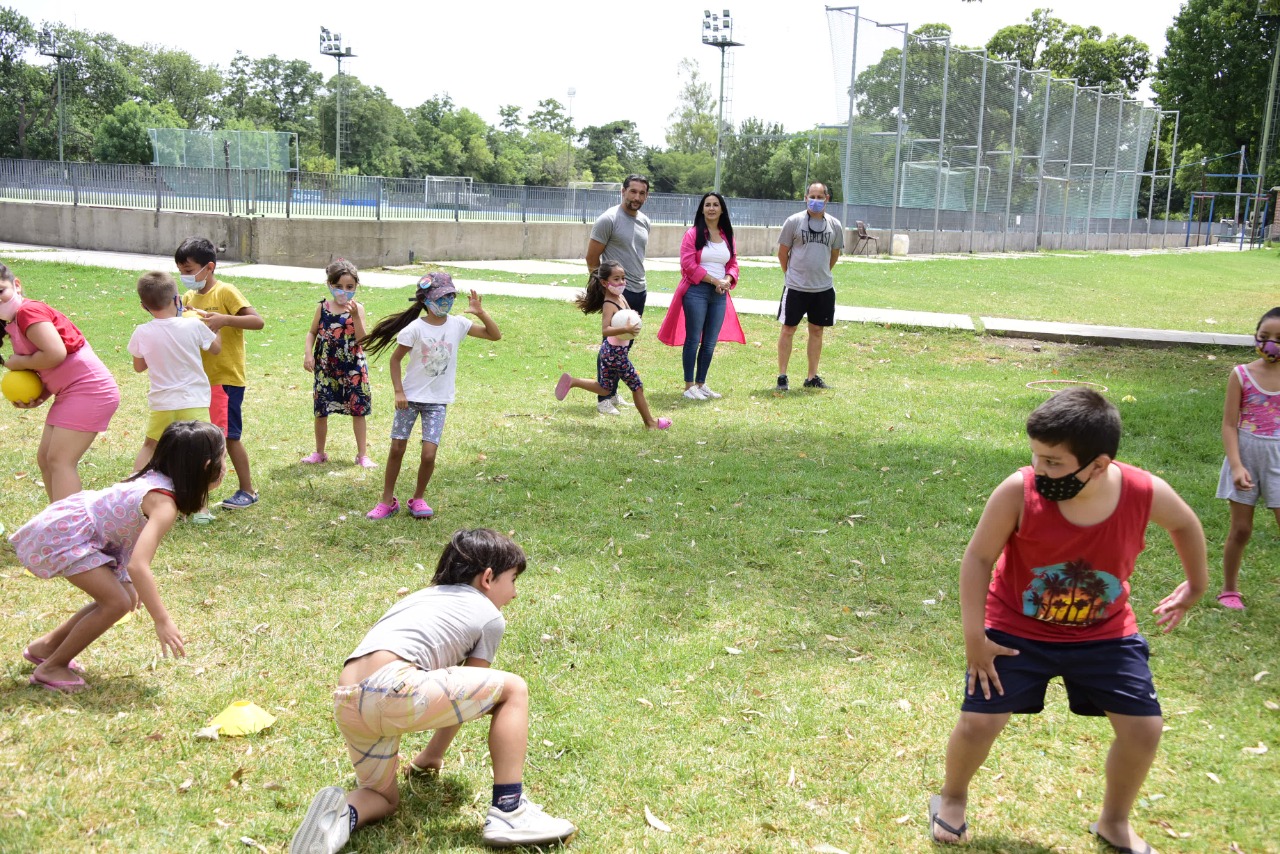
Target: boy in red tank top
x,y
1063,535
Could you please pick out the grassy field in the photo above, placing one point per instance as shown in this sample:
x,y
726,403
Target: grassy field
x,y
747,624
1194,291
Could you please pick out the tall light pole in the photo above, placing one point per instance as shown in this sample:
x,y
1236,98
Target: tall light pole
x,y
48,46
572,92
331,45
717,31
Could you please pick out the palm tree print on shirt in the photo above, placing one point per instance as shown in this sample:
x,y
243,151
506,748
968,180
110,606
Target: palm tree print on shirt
x,y
1071,594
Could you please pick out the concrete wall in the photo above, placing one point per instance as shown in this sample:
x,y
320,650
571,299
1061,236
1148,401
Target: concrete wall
x,y
316,242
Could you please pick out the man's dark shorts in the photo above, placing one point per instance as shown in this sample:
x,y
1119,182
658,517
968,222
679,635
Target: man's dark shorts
x,y
820,306
1101,676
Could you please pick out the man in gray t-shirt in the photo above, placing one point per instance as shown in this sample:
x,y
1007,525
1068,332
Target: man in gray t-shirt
x,y
622,234
808,250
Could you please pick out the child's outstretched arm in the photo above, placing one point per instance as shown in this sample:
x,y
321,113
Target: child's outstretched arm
x,y
1170,512
308,355
161,512
1231,434
998,522
490,331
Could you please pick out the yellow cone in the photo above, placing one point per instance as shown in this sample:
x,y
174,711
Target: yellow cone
x,y
242,718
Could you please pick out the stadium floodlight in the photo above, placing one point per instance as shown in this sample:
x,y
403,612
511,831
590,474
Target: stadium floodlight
x,y
331,45
717,31
47,45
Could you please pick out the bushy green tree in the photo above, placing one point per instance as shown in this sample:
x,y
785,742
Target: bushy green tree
x,y
1119,64
122,136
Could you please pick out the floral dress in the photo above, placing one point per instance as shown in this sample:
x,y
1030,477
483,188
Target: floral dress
x,y
342,374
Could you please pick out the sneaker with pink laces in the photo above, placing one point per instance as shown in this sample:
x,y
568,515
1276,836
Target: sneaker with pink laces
x,y
382,511
315,457
418,509
365,463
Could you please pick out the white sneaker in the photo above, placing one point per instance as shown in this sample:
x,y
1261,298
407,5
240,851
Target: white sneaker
x,y
327,825
606,407
694,393
707,392
618,401
526,825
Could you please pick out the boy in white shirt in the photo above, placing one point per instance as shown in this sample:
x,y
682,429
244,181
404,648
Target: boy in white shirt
x,y
168,348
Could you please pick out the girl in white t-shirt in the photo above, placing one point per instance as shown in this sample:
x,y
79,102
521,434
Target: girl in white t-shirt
x,y
431,345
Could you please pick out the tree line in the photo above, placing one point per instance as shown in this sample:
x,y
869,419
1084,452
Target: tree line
x,y
1215,71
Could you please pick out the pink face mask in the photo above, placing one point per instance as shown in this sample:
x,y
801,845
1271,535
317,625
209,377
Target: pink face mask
x,y
9,309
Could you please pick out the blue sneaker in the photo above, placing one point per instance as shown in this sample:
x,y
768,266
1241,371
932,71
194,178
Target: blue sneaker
x,y
240,500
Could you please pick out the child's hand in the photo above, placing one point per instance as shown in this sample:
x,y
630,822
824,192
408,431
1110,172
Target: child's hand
x,y
473,303
170,639
402,402
1241,478
214,320
1174,607
309,362
32,404
982,667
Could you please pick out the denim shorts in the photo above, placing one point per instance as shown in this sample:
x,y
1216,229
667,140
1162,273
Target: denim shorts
x,y
432,421
1110,675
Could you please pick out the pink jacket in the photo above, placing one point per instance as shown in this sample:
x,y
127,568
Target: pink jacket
x,y
691,273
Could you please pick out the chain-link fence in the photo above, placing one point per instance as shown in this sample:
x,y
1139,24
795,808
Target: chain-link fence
x,y
960,152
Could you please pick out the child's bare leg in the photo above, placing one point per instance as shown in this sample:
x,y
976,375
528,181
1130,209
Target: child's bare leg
x,y
642,406
111,601
394,458
322,434
144,453
509,731
240,459
967,749
1237,538
1128,762
426,467
374,804
58,457
590,385
358,427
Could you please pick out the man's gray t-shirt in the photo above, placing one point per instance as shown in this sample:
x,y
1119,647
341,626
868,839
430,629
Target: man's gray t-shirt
x,y
438,627
809,262
625,240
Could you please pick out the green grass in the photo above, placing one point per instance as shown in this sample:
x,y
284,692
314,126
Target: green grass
x,y
804,530
1194,291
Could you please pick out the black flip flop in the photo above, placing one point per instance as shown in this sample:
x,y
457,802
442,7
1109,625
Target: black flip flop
x,y
1122,849
935,806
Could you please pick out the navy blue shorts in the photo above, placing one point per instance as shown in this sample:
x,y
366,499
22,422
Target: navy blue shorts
x,y
225,404
1101,676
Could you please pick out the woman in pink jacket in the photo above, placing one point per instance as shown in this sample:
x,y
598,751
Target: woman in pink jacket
x,y
701,311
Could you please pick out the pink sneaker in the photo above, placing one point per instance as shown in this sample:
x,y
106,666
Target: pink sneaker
x,y
418,509
315,457
382,511
661,424
562,387
365,463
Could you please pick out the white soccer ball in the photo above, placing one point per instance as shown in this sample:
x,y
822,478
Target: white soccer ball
x,y
626,317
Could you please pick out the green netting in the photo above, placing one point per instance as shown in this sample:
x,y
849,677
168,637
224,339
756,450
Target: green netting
x,y
243,149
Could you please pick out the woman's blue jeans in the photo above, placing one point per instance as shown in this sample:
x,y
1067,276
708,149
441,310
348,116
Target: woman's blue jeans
x,y
703,317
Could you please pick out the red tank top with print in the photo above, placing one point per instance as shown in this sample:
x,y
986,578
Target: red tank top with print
x,y
1056,581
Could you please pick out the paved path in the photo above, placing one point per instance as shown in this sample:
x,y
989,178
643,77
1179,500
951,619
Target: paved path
x,y
573,268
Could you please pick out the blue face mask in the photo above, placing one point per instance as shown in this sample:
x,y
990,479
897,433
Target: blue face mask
x,y
440,307
341,295
817,205
190,281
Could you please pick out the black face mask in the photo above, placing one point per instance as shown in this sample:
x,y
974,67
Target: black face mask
x,y
1062,488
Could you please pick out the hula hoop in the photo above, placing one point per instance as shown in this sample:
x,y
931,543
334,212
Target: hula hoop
x,y
1052,386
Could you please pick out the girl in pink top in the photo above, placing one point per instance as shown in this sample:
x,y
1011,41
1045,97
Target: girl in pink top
x,y
103,541
84,393
701,311
1251,438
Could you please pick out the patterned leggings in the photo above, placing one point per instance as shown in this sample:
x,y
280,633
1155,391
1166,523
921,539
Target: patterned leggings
x,y
614,364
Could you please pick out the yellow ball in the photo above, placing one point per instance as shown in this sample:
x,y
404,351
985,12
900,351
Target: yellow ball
x,y
21,386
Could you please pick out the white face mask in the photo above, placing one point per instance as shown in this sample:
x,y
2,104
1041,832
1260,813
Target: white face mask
x,y
9,308
190,281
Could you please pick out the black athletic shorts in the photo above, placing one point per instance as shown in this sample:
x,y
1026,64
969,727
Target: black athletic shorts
x,y
820,307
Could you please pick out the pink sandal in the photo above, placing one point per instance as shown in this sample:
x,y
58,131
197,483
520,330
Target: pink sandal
x,y
562,387
661,424
315,457
1231,599
74,666
419,509
62,686
382,511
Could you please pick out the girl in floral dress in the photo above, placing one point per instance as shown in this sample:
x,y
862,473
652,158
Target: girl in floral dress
x,y
333,354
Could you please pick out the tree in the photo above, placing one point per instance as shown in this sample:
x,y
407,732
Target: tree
x,y
174,77
24,95
611,150
1216,71
550,117
1118,64
377,133
746,161
693,121
122,136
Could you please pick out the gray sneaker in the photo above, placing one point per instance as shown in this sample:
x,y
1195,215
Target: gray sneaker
x,y
327,825
618,401
606,407
525,825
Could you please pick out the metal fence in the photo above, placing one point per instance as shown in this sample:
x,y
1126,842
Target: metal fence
x,y
948,140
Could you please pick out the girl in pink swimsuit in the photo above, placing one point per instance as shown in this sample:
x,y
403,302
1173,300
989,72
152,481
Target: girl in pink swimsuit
x,y
84,393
